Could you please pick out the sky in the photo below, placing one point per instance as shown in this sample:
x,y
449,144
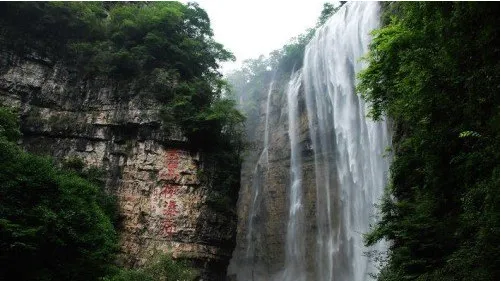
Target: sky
x,y
249,28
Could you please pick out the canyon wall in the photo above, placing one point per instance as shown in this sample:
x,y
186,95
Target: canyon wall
x,y
271,218
115,126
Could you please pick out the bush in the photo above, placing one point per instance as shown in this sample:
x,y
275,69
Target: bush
x,y
52,226
162,268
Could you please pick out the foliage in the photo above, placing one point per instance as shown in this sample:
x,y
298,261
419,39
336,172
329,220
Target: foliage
x,y
166,48
48,26
290,57
328,10
96,176
168,36
119,39
52,226
73,163
164,268
434,69
9,127
248,81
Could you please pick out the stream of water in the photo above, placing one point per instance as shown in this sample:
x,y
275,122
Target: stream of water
x,y
350,168
345,155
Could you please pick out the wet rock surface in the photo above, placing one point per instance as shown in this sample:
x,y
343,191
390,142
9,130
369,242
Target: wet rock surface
x,y
270,224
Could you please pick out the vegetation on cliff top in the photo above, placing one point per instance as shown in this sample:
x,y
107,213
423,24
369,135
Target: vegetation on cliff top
x,y
434,69
120,39
166,48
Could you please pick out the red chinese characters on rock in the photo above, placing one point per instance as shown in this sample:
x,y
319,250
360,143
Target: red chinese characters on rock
x,y
172,162
171,174
168,191
170,210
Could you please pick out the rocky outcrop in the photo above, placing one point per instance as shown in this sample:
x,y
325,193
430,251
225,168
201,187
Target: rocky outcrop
x,y
115,126
270,225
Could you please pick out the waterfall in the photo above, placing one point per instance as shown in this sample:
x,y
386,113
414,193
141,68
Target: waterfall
x,y
295,236
266,142
348,147
257,179
337,169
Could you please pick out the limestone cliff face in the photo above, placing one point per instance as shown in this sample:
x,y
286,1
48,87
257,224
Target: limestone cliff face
x,y
115,126
267,240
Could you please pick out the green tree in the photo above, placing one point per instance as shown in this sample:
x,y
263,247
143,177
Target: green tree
x,y
434,69
166,49
51,224
327,11
162,49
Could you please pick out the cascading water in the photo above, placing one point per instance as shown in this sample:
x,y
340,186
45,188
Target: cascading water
x,y
349,166
327,212
260,168
295,236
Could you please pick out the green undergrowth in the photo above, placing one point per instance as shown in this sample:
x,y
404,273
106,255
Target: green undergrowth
x,y
161,268
54,224
58,223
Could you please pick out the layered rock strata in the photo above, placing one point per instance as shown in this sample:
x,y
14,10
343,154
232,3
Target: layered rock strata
x,y
115,126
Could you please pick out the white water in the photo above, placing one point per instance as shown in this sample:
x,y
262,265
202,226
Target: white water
x,y
260,168
350,170
266,143
348,147
295,239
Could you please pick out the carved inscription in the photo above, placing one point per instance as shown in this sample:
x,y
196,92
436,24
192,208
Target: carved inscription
x,y
169,208
168,194
171,164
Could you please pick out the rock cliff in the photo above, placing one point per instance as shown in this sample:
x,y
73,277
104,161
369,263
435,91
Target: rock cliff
x,y
115,126
272,205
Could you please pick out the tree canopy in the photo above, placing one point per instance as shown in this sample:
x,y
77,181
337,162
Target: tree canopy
x,y
122,39
434,70
166,48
